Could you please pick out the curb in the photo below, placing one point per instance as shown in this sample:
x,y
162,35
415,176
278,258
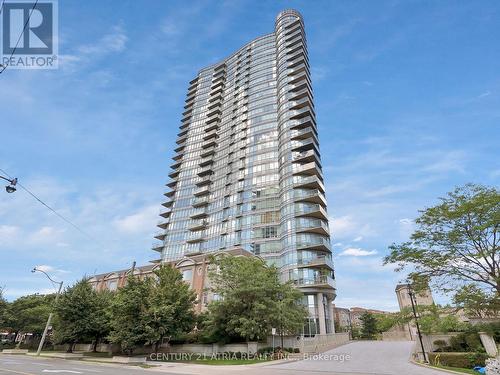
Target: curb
x,y
435,368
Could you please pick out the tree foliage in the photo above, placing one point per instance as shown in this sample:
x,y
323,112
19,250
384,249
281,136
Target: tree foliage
x,y
28,314
170,305
456,242
129,310
252,301
146,311
81,314
368,325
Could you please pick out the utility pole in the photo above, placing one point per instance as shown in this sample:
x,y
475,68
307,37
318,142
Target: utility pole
x,y
42,341
413,303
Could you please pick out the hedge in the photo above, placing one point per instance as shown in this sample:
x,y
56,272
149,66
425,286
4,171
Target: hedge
x,y
461,360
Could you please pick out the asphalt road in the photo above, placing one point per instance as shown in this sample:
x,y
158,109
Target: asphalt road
x,y
28,365
359,358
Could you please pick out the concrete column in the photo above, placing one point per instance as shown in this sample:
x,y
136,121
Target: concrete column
x,y
332,316
321,314
489,344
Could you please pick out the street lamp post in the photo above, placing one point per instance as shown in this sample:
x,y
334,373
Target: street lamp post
x,y
12,184
42,341
413,303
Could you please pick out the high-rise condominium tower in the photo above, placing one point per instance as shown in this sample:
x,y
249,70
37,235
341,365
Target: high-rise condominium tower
x,y
247,170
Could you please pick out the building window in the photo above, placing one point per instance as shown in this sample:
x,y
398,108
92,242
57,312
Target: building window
x,y
112,285
187,275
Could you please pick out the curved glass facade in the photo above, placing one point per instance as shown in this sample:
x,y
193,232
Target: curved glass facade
x,y
247,170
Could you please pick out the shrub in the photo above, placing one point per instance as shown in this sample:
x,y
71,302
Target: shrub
x,y
460,360
466,342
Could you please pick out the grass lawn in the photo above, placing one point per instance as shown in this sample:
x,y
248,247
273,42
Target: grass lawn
x,y
462,370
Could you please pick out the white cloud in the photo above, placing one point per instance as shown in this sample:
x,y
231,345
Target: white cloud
x,y
357,239
357,252
142,221
8,232
406,221
47,268
114,41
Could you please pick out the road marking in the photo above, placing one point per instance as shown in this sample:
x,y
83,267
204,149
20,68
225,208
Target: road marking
x,y
85,369
59,371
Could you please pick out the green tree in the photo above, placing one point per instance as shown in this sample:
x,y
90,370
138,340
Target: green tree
x,y
129,314
170,306
456,242
386,322
28,314
3,309
368,325
476,302
101,322
78,314
252,301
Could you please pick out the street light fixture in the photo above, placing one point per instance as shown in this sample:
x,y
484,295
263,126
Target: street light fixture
x,y
12,184
42,341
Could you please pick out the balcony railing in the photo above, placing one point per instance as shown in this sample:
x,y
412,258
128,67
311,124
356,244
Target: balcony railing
x,y
309,182
318,282
314,226
318,261
314,210
165,212
313,196
198,224
320,244
157,246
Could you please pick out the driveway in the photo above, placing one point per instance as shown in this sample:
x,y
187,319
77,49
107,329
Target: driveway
x,y
365,358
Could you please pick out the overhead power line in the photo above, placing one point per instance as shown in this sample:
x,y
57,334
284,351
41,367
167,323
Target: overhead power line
x,y
3,67
50,208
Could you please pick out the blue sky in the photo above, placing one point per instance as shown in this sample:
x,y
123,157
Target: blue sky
x,y
407,97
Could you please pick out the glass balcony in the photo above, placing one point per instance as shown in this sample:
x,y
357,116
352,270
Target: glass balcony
x,y
305,133
320,244
206,180
207,152
160,235
195,237
198,224
206,161
199,213
318,282
307,169
163,224
200,201
174,173
314,210
168,204
319,261
210,135
304,145
301,123
173,182
209,143
306,156
205,171
312,182
157,246
165,212
201,191
312,196
313,226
